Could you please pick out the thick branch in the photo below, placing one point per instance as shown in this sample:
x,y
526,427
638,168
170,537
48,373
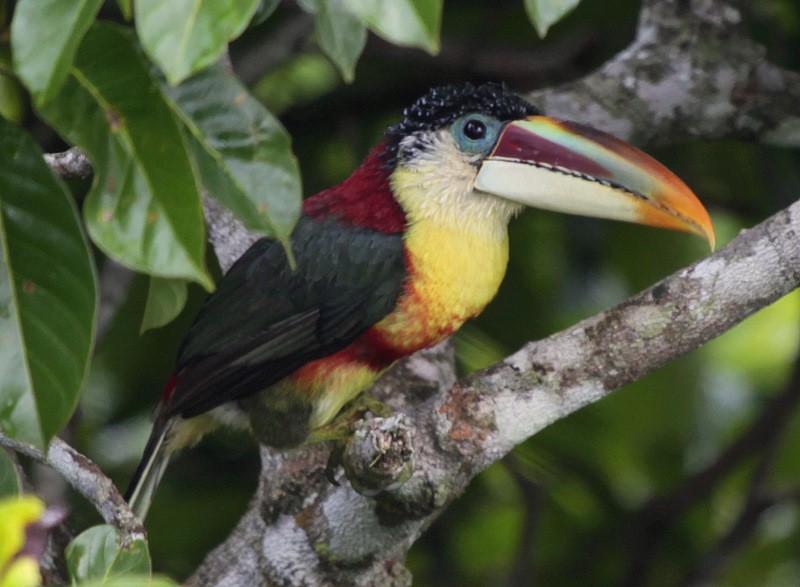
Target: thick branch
x,y
691,72
460,429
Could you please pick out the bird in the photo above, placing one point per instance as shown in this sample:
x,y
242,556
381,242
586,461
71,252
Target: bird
x,y
392,260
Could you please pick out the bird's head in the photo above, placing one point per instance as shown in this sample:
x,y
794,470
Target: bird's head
x,y
463,153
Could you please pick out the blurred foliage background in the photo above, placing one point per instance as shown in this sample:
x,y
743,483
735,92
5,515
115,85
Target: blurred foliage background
x,y
690,474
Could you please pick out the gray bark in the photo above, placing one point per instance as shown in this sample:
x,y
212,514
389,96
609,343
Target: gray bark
x,y
87,479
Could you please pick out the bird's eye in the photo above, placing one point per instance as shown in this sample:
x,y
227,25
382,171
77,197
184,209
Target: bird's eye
x,y
476,133
474,129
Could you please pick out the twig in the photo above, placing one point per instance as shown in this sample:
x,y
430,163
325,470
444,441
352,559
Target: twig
x,y
88,480
741,530
756,503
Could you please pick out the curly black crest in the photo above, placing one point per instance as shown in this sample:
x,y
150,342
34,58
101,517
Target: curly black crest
x,y
443,105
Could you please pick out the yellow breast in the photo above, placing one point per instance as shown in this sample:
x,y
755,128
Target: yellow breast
x,y
452,278
457,247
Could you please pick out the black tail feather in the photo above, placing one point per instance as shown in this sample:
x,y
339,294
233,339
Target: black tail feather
x,y
147,476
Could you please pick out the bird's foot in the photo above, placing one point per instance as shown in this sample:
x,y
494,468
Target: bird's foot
x,y
343,425
365,403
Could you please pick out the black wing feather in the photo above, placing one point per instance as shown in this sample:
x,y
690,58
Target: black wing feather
x,y
265,321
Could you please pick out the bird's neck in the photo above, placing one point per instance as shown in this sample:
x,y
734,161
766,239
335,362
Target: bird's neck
x,y
364,199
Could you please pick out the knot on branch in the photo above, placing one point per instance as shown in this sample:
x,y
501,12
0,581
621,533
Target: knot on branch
x,y
379,455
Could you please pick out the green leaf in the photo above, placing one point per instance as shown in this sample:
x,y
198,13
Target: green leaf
x,y
165,300
44,37
341,36
243,153
126,7
96,555
10,483
414,23
12,103
546,13
48,295
184,36
768,364
144,209
264,11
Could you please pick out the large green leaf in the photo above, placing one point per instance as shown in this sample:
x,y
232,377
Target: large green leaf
x,y
546,13
185,36
404,22
243,152
144,209
165,300
44,37
48,295
341,35
95,555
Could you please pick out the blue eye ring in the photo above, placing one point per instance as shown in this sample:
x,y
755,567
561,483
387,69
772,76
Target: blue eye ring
x,y
476,132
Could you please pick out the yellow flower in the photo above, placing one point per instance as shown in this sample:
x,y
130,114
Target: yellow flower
x,y
15,514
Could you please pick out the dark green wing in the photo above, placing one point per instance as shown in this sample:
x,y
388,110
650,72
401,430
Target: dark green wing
x,y
265,321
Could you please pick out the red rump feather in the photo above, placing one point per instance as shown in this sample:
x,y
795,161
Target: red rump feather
x,y
172,383
364,199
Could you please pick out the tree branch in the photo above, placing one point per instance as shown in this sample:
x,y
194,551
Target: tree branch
x,y
87,479
341,536
691,72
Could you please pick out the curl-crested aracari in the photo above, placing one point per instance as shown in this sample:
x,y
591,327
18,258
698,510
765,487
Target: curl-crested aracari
x,y
391,261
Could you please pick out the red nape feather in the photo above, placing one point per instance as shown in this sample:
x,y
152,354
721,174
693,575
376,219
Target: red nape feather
x,y
364,199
